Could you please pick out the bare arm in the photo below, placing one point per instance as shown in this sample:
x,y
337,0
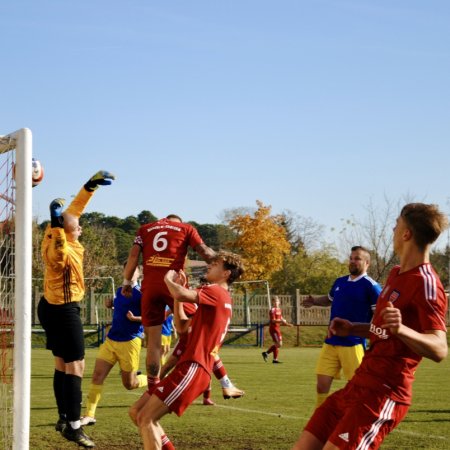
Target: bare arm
x,y
133,318
205,252
180,320
177,291
343,327
128,271
316,301
432,344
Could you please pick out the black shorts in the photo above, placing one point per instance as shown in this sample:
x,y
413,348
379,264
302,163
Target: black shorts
x,y
63,328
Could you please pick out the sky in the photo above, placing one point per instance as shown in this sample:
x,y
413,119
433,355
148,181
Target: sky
x,y
199,106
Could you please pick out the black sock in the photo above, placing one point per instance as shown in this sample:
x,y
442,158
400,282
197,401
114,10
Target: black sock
x,y
58,389
72,397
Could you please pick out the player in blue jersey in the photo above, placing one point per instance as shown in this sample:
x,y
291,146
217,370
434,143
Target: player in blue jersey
x,y
123,345
166,335
352,297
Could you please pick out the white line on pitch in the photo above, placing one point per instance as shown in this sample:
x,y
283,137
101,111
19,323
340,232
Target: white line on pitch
x,y
282,416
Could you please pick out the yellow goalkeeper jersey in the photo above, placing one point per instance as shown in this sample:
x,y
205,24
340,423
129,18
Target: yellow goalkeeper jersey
x,y
63,275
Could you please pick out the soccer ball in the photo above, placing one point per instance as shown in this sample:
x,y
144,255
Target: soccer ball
x,y
37,172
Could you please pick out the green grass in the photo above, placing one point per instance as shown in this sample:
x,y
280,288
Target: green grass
x,y
279,399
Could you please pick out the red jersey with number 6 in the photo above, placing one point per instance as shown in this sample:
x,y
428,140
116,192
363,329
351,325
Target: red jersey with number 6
x,y
164,246
209,326
389,365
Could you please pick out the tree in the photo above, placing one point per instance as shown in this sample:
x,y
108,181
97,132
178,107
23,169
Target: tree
x,y
302,232
146,217
261,240
375,232
311,273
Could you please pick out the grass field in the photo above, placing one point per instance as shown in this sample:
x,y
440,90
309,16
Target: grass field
x,y
278,401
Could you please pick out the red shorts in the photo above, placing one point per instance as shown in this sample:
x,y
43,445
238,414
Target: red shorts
x,y
356,417
155,297
182,386
276,335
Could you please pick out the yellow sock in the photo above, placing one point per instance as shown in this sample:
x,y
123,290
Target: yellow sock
x,y
320,399
95,392
142,379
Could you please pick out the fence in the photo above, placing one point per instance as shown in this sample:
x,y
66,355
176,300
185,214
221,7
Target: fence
x,y
246,311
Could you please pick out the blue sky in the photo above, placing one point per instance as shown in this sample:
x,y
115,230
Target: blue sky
x,y
200,106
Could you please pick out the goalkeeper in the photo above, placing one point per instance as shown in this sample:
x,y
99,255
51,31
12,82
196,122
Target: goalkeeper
x,y
59,308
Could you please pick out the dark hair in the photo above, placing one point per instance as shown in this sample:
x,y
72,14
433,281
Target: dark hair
x,y
174,216
426,222
355,248
231,262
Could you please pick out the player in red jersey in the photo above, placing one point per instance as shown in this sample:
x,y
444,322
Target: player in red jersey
x,y
209,325
163,245
408,324
276,320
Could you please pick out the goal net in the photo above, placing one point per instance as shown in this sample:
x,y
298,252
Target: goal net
x,y
15,288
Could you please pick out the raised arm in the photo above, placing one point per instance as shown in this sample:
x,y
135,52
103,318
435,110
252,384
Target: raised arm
x,y
128,271
205,252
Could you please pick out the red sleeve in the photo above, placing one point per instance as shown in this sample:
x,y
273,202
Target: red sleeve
x,y
209,295
432,310
194,238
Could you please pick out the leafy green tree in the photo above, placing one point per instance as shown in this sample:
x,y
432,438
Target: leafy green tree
x,y
146,217
311,273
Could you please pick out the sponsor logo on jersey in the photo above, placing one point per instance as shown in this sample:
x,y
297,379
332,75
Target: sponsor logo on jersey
x,y
378,331
394,296
163,227
159,261
344,437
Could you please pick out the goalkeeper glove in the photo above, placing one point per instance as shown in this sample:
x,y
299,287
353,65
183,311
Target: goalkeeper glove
x,y
102,177
56,217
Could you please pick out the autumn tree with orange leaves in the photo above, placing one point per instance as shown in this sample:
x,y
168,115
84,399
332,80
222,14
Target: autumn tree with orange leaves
x,y
261,240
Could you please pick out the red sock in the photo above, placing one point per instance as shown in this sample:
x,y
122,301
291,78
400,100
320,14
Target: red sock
x,y
166,444
275,353
219,369
152,382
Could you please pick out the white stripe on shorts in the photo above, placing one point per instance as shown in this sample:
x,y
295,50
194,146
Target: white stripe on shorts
x,y
385,415
182,386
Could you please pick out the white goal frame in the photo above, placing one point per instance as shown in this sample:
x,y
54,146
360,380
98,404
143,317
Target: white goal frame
x,y
21,142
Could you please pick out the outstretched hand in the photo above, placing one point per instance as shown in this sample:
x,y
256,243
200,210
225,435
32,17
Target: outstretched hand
x,y
56,217
56,207
308,301
101,178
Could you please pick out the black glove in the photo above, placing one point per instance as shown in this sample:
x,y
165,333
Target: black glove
x,y
102,177
56,206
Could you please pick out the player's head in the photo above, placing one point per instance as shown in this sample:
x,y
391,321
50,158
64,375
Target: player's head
x,y
174,218
136,274
276,301
420,222
72,227
359,260
224,267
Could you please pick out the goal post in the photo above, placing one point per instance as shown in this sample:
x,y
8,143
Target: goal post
x,y
15,288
